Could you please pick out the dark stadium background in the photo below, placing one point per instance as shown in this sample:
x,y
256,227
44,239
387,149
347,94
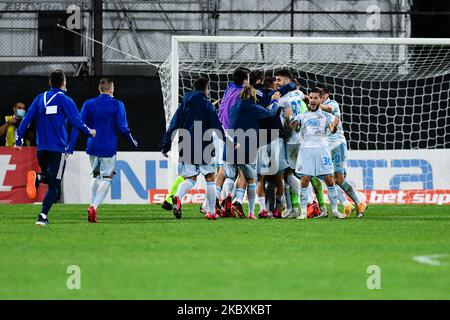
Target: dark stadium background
x,y
143,99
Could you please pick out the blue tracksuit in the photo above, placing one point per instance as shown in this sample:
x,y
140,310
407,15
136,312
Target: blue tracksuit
x,y
195,108
52,110
106,115
246,116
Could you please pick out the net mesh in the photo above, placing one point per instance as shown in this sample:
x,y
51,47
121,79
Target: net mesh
x,y
391,96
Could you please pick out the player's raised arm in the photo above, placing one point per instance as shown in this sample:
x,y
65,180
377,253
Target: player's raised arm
x,y
333,123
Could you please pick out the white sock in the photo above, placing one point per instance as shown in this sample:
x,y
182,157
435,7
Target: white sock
x,y
218,191
240,195
228,186
102,190
251,195
262,203
341,196
184,187
95,182
310,193
332,195
211,196
303,199
293,183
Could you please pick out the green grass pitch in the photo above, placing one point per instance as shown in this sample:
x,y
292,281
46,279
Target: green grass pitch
x,y
143,252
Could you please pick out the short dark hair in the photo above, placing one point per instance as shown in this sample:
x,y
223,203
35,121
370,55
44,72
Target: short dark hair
x,y
105,84
240,75
256,75
316,90
285,73
201,84
56,78
323,87
268,81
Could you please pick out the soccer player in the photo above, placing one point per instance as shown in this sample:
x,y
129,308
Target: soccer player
x,y
51,110
245,118
227,103
338,146
315,157
106,114
196,111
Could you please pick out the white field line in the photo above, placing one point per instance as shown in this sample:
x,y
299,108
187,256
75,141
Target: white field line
x,y
432,259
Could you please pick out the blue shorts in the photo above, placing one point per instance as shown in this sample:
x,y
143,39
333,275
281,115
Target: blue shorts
x,y
315,162
193,170
249,170
339,156
102,166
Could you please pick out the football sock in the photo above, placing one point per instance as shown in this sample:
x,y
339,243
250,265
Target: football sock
x,y
95,182
262,203
211,195
184,187
294,199
174,188
317,185
341,196
251,195
303,199
102,190
332,195
228,186
218,191
287,195
347,187
240,195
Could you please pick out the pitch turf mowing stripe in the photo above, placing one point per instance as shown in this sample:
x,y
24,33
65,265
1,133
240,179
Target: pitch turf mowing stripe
x,y
143,252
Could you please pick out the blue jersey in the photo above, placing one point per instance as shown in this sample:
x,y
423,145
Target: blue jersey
x,y
196,113
106,115
52,110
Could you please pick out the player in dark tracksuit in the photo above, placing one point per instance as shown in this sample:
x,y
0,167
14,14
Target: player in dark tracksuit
x,y
51,110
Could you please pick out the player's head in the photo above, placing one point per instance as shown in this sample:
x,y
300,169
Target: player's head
x,y
283,77
256,77
248,93
19,109
202,84
240,77
106,86
269,83
325,90
57,79
315,99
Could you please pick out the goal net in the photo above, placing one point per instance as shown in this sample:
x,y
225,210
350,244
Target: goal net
x,y
393,93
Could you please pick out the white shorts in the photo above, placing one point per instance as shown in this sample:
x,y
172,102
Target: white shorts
x,y
315,162
292,154
249,170
272,158
339,155
102,166
193,170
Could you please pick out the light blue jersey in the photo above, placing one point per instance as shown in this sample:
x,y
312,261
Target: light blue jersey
x,y
292,101
335,139
314,128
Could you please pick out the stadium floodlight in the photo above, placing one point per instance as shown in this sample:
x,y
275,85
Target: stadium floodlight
x,y
393,92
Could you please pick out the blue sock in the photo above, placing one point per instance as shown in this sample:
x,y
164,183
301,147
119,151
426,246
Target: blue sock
x,y
240,195
54,185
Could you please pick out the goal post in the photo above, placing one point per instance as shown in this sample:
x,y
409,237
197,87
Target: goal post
x,y
393,92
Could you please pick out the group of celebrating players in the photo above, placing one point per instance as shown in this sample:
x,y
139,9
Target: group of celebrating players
x,y
303,145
